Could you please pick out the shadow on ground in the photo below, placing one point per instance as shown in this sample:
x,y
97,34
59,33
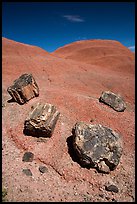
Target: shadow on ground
x,y
73,153
76,158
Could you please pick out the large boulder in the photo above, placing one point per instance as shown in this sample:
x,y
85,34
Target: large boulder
x,y
23,89
113,100
41,120
97,146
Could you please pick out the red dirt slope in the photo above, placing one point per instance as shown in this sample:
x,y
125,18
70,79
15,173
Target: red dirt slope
x,y
74,87
16,48
105,53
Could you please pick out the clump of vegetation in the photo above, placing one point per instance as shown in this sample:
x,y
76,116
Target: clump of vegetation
x,y
4,193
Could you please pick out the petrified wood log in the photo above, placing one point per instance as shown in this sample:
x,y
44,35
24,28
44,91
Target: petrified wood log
x,y
23,89
41,121
114,101
97,146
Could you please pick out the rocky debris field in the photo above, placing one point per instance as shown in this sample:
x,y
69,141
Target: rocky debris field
x,y
79,115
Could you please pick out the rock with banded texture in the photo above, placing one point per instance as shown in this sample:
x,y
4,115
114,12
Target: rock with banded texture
x,y
97,146
113,100
41,120
23,89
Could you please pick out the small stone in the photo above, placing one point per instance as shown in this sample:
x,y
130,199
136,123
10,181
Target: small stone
x,y
113,100
43,169
108,198
23,89
28,157
114,200
86,199
91,120
103,167
111,188
75,193
27,172
101,195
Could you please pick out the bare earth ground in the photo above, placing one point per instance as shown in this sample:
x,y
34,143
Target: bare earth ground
x,y
74,87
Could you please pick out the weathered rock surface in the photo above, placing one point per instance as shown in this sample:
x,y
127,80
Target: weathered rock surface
x,y
114,101
24,88
97,146
41,121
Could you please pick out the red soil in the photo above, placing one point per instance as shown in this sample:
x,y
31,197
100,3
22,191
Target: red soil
x,y
105,53
71,78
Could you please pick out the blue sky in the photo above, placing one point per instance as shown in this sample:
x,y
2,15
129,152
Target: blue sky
x,y
52,25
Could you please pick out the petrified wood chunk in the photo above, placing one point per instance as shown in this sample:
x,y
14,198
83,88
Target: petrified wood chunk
x,y
113,100
23,89
41,121
97,146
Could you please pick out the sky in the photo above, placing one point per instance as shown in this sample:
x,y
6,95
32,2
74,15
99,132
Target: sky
x,y
51,25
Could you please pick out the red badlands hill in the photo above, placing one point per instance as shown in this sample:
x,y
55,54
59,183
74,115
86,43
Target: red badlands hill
x,y
72,78
16,48
105,53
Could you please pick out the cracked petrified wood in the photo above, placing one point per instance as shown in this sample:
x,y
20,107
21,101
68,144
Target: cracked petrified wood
x,y
97,146
23,89
113,100
41,120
